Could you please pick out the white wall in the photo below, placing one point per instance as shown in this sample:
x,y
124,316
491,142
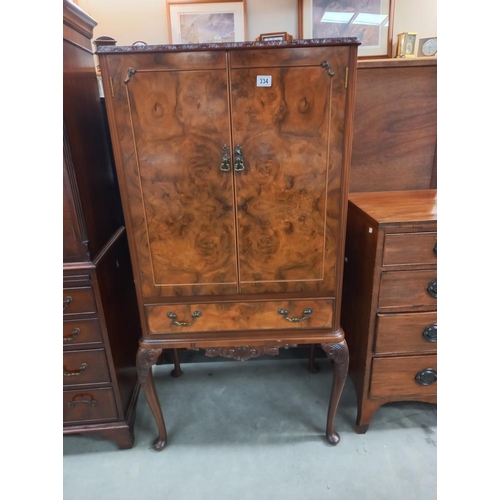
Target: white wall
x,y
128,21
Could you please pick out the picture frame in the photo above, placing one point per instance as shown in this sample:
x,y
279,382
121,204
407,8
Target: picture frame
x,y
277,36
206,21
371,22
407,44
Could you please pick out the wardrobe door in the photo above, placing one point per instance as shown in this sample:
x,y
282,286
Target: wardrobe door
x,y
288,119
180,187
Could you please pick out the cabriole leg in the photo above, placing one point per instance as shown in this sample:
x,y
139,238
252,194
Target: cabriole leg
x,y
176,372
145,359
313,367
339,354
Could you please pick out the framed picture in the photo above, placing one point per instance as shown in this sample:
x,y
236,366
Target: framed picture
x,y
205,21
273,37
368,20
407,44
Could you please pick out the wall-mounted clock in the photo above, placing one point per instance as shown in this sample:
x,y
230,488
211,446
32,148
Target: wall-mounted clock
x,y
427,47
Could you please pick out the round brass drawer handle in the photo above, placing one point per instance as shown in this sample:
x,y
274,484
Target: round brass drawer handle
x,y
428,376
173,317
305,314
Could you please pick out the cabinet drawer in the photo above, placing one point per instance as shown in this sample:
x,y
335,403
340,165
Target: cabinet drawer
x,y
406,289
409,248
88,405
78,301
240,316
406,333
85,367
397,376
81,332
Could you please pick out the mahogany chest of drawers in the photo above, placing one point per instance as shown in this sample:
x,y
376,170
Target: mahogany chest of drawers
x,y
100,329
389,311
101,322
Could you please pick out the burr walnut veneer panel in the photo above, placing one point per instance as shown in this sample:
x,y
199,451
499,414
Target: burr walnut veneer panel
x,y
226,316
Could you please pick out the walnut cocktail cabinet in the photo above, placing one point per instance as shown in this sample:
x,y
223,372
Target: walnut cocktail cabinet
x,y
233,164
101,324
389,309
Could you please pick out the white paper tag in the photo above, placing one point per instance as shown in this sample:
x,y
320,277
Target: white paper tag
x,y
264,80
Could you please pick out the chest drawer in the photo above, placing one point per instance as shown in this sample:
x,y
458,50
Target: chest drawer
x,y
81,332
78,301
407,289
410,248
89,405
85,367
400,376
240,316
406,333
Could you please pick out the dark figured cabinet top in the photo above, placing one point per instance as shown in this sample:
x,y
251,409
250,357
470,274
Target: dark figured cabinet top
x,y
393,207
313,42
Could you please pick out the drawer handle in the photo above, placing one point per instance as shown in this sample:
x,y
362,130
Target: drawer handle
x,y
67,373
67,302
72,335
305,314
90,402
428,376
238,159
225,161
173,317
436,249
433,288
430,333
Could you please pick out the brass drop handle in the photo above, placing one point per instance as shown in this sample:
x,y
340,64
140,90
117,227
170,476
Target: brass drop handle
x,y
433,288
238,159
305,314
428,376
225,160
90,402
67,373
72,335
430,333
173,317
67,302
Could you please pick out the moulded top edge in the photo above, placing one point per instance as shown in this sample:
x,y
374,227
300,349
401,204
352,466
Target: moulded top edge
x,y
313,42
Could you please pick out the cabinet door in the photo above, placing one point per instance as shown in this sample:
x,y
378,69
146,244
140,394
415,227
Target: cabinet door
x,y
181,202
288,193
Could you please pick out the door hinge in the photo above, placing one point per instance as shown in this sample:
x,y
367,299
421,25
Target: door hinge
x,y
111,85
346,77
